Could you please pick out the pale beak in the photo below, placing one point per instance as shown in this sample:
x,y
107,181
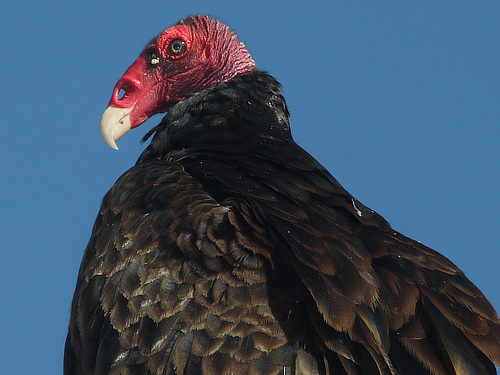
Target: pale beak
x,y
115,123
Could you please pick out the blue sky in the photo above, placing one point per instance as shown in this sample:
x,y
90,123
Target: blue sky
x,y
399,101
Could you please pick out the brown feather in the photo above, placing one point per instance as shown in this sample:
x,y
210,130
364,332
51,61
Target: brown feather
x,y
228,250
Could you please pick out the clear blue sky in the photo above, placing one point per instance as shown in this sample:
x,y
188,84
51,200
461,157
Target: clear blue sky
x,y
400,102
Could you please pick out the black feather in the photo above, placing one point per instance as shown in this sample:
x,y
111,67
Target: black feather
x,y
228,249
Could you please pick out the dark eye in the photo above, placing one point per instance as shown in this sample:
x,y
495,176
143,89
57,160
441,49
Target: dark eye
x,y
177,47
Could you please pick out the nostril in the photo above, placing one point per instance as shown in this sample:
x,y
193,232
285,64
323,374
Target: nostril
x,y
121,94
123,90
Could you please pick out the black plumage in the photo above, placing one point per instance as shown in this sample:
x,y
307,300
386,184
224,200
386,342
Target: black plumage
x,y
228,249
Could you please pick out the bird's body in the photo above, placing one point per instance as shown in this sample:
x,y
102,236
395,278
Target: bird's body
x,y
227,249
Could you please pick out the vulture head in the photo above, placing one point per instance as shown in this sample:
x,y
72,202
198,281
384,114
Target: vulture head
x,y
196,53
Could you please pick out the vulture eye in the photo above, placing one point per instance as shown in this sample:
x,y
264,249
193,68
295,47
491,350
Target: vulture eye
x,y
177,47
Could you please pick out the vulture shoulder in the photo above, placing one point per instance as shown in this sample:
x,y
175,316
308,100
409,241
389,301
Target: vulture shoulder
x,y
228,250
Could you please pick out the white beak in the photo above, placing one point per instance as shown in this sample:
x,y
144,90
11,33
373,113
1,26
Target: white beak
x,y
115,123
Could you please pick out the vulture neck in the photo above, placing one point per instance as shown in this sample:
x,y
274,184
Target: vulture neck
x,y
242,115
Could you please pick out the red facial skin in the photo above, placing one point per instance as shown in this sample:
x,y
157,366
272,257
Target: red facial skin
x,y
159,78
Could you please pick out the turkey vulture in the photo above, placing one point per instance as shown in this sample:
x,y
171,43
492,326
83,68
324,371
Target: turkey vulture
x,y
228,249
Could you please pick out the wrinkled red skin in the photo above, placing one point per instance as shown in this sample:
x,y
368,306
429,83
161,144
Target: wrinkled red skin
x,y
210,58
142,91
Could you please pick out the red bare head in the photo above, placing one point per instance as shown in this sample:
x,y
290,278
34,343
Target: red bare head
x,y
196,53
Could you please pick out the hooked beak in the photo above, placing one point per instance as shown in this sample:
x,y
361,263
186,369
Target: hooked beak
x,y
115,123
135,98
